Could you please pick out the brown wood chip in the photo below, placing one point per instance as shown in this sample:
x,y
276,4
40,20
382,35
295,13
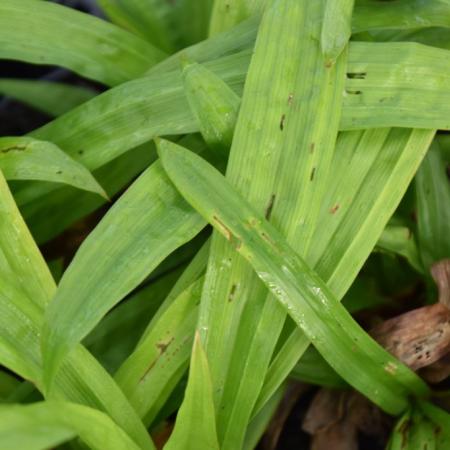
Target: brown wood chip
x,y
419,337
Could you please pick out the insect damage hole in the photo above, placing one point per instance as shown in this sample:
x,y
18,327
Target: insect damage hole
x,y
269,207
356,75
283,118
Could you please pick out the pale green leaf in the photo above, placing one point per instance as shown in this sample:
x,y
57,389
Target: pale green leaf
x,y
336,28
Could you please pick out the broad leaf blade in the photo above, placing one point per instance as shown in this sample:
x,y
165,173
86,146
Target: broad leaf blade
x,y
89,46
147,223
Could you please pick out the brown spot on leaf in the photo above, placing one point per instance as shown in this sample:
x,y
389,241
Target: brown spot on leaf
x,y
334,209
225,230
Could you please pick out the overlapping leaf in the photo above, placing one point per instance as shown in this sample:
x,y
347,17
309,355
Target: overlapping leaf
x,y
23,158
47,424
301,292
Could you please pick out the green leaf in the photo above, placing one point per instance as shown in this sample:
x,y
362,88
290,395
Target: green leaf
x,y
214,105
400,240
51,98
89,46
371,172
143,227
308,301
196,409
336,28
433,212
149,19
287,125
47,424
53,212
115,338
398,99
226,14
400,14
313,369
414,431
26,288
154,368
23,158
441,421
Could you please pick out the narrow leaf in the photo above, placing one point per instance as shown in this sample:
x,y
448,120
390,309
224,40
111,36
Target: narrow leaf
x,y
336,28
23,158
47,424
214,104
197,408
433,212
149,19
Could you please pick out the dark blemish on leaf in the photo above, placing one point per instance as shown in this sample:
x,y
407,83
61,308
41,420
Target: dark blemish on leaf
x,y
14,148
58,172
225,230
313,171
353,92
356,75
162,349
329,64
334,209
404,428
283,118
162,346
311,147
232,293
81,152
269,207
